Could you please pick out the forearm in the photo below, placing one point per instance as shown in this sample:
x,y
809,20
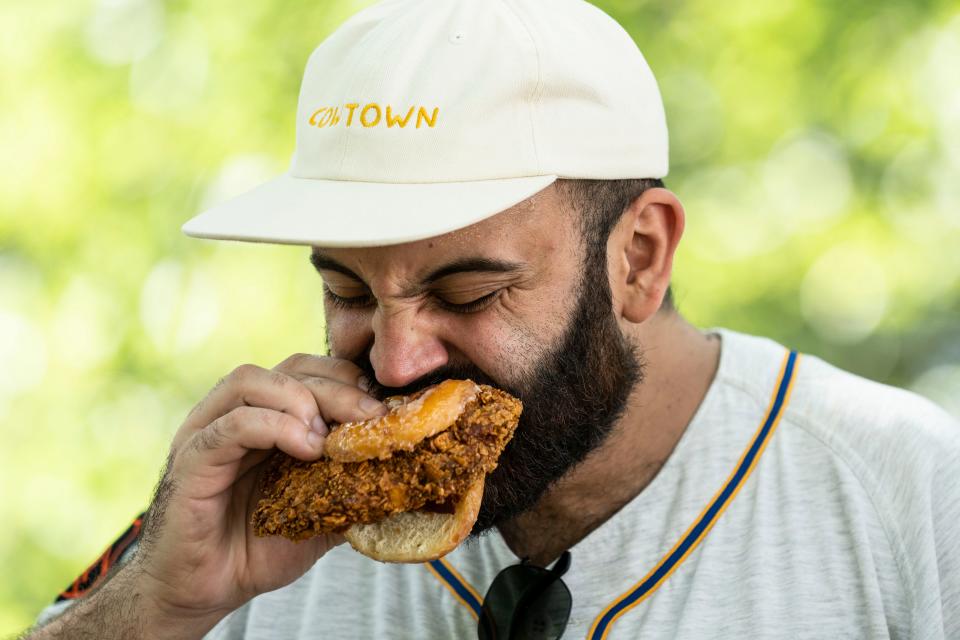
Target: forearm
x,y
122,609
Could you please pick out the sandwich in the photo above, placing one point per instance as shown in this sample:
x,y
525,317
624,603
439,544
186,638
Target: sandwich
x,y
404,487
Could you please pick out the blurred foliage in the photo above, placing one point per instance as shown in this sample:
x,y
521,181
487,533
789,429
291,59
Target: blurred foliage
x,y
814,144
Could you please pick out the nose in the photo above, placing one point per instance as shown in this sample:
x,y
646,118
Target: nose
x,y
405,348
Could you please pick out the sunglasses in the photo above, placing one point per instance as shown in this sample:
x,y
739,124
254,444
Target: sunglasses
x,y
526,602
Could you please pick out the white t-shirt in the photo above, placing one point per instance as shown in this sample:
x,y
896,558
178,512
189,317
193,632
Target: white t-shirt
x,y
801,502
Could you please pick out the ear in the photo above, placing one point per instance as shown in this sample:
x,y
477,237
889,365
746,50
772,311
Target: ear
x,y
640,253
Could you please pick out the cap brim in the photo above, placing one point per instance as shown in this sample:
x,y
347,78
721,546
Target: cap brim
x,y
334,213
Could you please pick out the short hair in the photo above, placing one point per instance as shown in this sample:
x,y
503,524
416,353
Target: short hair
x,y
599,205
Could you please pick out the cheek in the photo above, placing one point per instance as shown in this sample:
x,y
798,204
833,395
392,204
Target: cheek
x,y
539,317
503,343
347,333
501,351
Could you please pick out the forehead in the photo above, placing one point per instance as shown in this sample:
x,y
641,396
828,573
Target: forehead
x,y
529,231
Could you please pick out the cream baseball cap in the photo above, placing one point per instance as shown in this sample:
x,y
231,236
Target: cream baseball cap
x,y
419,117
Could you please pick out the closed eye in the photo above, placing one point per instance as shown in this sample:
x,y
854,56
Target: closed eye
x,y
469,307
343,302
367,300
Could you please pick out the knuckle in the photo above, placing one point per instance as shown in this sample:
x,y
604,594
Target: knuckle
x,y
292,361
339,365
216,434
305,398
317,389
198,443
300,394
219,431
278,378
323,384
248,418
208,438
196,408
244,371
222,381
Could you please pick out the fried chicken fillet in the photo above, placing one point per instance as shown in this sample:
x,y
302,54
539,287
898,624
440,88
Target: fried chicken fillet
x,y
305,499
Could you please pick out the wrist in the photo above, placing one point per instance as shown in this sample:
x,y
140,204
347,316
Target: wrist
x,y
161,620
125,608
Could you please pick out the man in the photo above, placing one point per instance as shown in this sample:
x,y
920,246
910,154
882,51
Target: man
x,y
480,186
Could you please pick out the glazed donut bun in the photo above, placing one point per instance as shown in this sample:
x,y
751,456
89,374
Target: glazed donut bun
x,y
408,421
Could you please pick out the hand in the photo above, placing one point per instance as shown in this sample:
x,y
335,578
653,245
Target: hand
x,y
198,554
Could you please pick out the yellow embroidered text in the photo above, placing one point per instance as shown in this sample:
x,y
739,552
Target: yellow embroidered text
x,y
373,114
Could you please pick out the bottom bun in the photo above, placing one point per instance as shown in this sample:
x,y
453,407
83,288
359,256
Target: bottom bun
x,y
418,536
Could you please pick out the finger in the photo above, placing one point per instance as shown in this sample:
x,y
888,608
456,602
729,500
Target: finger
x,y
315,401
339,402
251,385
324,367
210,460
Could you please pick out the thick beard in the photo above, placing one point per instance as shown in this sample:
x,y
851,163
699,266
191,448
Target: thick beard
x,y
572,396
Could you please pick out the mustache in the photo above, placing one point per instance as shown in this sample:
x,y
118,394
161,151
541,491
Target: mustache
x,y
458,371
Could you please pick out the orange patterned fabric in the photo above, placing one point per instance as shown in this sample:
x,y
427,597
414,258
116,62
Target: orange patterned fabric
x,y
91,577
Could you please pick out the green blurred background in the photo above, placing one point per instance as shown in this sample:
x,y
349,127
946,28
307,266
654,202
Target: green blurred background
x,y
816,146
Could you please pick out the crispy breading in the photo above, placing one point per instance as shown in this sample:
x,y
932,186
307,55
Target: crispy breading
x,y
305,499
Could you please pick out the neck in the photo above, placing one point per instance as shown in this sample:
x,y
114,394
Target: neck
x,y
680,365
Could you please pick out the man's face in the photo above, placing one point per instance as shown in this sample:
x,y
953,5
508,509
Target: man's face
x,y
507,302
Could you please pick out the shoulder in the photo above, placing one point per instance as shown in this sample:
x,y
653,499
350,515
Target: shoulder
x,y
902,449
905,452
882,429
867,423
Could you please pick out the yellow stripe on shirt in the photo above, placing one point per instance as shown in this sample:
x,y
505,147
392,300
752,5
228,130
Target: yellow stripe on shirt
x,y
708,517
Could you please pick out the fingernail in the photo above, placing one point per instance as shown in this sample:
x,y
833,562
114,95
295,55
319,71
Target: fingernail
x,y
364,383
372,406
319,426
314,439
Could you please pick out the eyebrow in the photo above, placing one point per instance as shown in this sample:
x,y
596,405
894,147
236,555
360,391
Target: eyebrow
x,y
477,264
322,262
